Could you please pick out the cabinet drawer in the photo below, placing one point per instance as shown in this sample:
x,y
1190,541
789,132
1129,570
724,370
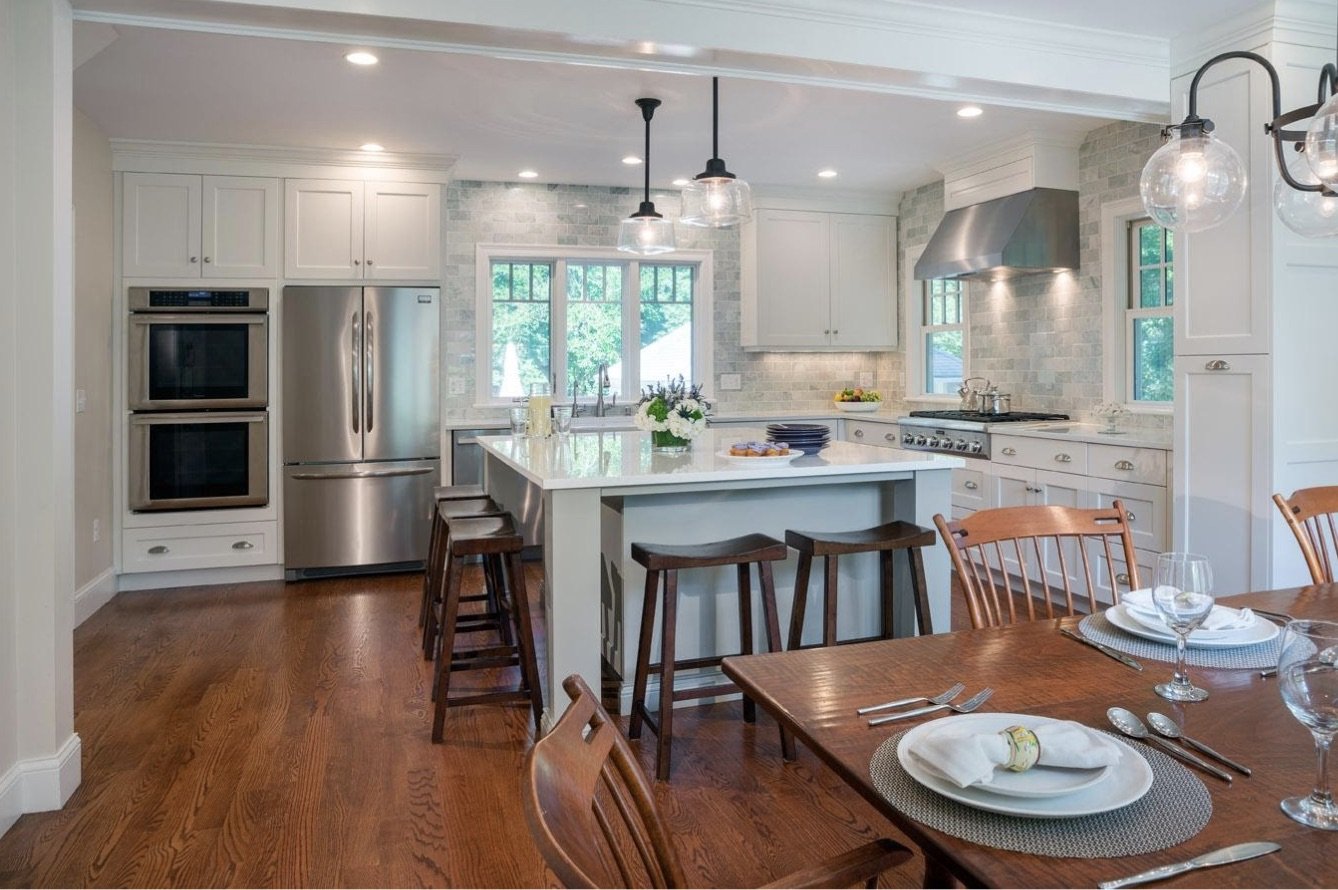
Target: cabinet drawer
x,y
1146,465
1041,454
867,432
1145,506
968,489
199,547
1146,560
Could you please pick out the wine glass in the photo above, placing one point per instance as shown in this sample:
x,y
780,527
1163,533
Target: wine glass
x,y
1308,679
1183,597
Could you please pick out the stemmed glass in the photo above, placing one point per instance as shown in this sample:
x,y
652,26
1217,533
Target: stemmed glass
x,y
1183,597
1308,679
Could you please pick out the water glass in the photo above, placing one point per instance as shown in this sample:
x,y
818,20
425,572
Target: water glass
x,y
1308,681
520,419
562,419
1183,597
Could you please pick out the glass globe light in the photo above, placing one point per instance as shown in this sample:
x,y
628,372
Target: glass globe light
x,y
716,202
1321,143
1192,182
1310,214
646,234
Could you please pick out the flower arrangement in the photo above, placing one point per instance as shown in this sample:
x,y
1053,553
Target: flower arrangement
x,y
1111,413
673,413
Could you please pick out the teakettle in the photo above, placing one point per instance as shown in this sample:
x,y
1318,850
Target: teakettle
x,y
971,397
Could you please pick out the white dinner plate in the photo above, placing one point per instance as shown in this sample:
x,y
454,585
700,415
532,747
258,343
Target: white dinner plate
x,y
1154,621
760,460
1260,632
1116,786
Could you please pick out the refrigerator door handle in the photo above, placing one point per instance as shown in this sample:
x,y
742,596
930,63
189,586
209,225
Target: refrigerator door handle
x,y
355,363
368,379
374,474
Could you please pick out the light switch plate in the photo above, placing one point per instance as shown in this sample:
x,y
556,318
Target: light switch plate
x,y
731,381
80,401
866,378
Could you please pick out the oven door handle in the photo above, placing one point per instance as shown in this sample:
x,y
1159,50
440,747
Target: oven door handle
x,y
355,371
194,418
374,474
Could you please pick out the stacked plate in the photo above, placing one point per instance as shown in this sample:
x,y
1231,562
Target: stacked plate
x,y
1225,627
809,438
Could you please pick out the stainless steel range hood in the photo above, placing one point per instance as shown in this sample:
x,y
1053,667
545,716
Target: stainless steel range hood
x,y
1023,234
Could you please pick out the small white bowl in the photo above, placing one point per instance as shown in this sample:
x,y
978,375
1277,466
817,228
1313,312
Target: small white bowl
x,y
857,407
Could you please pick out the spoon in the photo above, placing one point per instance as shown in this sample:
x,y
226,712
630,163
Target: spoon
x,y
1127,722
1168,727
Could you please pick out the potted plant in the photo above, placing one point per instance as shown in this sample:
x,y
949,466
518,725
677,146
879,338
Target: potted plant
x,y
673,413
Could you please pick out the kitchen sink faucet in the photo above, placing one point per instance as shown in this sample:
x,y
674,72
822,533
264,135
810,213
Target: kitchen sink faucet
x,y
602,384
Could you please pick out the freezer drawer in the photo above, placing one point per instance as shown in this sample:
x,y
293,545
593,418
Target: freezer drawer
x,y
352,516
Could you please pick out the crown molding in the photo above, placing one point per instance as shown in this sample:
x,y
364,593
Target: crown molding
x,y
1008,149
142,156
832,201
1297,22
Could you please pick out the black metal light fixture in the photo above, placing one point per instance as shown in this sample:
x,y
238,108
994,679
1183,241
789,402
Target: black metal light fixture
x,y
1195,181
716,198
646,232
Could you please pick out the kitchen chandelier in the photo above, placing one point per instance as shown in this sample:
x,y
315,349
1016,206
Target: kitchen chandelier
x,y
646,232
1195,181
716,198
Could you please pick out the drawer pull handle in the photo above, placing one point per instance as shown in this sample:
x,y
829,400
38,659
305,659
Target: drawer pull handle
x,y
243,545
1129,515
1217,365
1123,578
1124,465
1063,458
158,549
971,485
891,437
1032,488
1009,452
859,434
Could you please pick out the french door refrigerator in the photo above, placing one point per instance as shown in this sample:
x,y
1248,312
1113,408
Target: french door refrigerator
x,y
361,442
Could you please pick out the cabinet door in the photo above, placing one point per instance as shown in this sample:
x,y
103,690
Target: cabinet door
x,y
1221,467
402,231
323,229
1063,490
1144,507
864,303
240,227
160,225
791,305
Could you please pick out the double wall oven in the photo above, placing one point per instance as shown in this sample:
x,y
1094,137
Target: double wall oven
x,y
198,391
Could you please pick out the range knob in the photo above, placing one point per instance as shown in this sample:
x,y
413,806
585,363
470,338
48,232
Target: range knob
x,y
933,442
975,447
907,439
920,440
961,445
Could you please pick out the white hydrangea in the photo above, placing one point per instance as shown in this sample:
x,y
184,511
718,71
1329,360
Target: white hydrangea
x,y
644,421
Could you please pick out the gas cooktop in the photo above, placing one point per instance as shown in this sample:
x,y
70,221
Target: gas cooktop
x,y
959,432
983,418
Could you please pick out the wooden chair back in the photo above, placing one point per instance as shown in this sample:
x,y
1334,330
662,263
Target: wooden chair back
x,y
1310,514
1011,561
589,805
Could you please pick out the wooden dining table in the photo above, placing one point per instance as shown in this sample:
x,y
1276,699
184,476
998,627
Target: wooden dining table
x,y
1036,670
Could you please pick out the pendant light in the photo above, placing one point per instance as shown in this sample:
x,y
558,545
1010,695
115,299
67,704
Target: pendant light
x,y
646,232
716,198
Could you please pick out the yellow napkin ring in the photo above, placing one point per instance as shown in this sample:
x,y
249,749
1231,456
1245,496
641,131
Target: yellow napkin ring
x,y
1023,748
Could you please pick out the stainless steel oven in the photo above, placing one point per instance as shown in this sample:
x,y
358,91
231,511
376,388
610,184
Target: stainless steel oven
x,y
191,348
199,459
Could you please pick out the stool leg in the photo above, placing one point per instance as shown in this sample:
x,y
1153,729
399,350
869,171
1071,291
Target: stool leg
x,y
921,590
435,596
450,609
643,654
746,630
800,598
664,739
429,582
520,613
885,594
829,577
772,617
495,584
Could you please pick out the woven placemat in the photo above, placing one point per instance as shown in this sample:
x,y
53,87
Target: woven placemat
x,y
1174,809
1261,655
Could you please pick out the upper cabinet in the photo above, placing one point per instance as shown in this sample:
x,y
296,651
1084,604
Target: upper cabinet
x,y
348,229
186,226
818,280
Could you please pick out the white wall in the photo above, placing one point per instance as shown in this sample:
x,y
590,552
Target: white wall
x,y
39,753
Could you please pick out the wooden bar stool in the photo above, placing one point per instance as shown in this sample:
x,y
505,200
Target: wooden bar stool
x,y
447,511
497,541
441,493
885,540
667,560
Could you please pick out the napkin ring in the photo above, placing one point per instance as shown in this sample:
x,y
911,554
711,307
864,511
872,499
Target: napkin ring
x,y
1024,749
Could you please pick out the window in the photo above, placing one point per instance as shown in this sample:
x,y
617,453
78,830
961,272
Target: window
x,y
557,314
1148,326
936,316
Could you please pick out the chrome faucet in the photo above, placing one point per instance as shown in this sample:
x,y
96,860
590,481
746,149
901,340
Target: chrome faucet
x,y
601,384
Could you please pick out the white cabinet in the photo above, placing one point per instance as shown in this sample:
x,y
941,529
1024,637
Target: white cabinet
x,y
186,226
866,432
817,280
199,546
343,229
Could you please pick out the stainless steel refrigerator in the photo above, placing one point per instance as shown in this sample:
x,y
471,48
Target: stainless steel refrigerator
x,y
361,442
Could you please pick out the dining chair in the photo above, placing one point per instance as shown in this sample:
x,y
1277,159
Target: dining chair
x,y
1310,514
1012,560
592,813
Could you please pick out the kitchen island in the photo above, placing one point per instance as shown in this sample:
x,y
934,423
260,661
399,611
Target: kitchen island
x,y
599,492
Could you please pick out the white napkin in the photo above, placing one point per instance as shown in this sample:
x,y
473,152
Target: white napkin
x,y
967,756
1139,604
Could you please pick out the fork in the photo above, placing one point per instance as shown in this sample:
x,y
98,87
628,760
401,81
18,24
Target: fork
x,y
965,707
941,699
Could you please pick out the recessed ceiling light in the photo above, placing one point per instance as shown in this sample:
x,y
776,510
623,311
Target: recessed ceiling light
x,y
361,58
580,206
372,146
829,173
527,174
631,160
680,182
970,111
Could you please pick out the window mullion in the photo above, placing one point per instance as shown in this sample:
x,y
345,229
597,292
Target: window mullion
x,y
631,304
557,328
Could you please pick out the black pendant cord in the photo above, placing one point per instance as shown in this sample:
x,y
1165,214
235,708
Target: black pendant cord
x,y
715,117
646,112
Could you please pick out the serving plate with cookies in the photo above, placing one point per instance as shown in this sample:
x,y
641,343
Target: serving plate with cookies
x,y
760,453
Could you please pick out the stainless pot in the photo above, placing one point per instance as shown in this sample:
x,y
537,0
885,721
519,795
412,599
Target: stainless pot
x,y
995,402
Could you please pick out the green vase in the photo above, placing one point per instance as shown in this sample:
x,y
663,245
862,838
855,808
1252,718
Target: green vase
x,y
666,442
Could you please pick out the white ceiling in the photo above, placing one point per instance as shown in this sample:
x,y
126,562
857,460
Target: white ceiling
x,y
570,122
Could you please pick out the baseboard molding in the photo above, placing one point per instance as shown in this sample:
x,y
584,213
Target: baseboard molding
x,y
197,577
39,784
94,595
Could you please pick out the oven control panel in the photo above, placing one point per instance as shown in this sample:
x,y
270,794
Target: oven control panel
x,y
194,299
965,443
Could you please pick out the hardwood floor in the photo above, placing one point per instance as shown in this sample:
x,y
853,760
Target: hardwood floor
x,y
267,735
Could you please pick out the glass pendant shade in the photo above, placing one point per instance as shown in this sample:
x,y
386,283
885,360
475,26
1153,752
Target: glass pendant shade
x,y
716,202
1192,182
1310,214
646,234
1321,144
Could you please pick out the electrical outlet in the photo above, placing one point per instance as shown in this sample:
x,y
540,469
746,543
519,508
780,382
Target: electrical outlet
x,y
456,386
97,530
866,378
731,381
80,401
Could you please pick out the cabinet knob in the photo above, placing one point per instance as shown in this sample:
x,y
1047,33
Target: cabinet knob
x,y
1032,488
208,260
1129,516
1122,577
1124,465
158,549
369,262
357,262
827,331
1009,451
835,332
971,485
859,434
243,545
194,259
1064,458
1217,365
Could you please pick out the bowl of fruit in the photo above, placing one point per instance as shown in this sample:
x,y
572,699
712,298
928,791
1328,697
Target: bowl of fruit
x,y
858,401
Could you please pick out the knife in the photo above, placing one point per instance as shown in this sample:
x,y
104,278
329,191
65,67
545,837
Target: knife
x,y
1104,650
1225,856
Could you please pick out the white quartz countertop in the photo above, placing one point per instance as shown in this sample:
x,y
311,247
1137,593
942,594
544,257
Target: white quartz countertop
x,y
624,459
1069,431
882,415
